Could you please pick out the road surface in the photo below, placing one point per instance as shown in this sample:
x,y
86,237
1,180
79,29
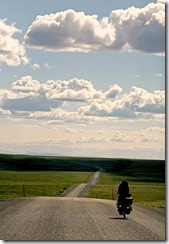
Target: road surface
x,y
81,190
74,218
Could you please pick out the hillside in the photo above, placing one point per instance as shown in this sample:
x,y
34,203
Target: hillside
x,y
153,170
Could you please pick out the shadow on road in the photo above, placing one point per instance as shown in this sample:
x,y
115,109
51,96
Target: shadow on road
x,y
121,218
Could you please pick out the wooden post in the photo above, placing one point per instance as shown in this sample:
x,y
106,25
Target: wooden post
x,y
112,194
23,189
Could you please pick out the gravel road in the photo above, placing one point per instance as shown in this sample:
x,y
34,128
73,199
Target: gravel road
x,y
74,218
81,190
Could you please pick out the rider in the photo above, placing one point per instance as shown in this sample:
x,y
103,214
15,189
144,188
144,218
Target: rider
x,y
123,191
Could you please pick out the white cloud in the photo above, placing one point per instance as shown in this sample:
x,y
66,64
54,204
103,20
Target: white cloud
x,y
138,103
91,140
69,31
120,137
141,100
159,75
26,84
71,90
140,29
4,112
70,147
36,136
130,29
43,101
35,66
113,92
47,66
26,95
11,51
134,138
156,129
60,116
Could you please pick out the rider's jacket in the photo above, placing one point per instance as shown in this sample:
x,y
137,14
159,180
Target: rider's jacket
x,y
123,189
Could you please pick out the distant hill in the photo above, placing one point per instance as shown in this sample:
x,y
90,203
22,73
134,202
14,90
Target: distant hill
x,y
141,169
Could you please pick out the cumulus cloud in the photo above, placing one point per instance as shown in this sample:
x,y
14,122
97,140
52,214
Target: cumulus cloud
x,y
69,31
35,66
26,84
113,92
136,137
26,95
107,109
132,105
71,90
11,51
141,29
120,137
141,100
44,100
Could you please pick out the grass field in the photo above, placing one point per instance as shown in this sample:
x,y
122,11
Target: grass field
x,y
144,192
51,176
38,183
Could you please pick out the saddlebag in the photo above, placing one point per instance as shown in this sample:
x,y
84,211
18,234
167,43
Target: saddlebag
x,y
128,200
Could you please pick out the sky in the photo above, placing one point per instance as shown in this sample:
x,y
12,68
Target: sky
x,y
83,78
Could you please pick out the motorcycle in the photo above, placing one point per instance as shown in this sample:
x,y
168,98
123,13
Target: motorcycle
x,y
124,205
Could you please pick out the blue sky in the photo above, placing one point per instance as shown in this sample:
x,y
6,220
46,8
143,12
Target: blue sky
x,y
83,79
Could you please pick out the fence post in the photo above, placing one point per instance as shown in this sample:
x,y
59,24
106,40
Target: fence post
x,y
23,189
112,194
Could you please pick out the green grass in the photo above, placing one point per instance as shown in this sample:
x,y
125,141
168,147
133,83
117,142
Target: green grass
x,y
38,183
51,176
143,192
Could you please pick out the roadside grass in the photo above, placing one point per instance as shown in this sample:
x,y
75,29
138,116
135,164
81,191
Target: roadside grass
x,y
38,183
143,192
51,176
